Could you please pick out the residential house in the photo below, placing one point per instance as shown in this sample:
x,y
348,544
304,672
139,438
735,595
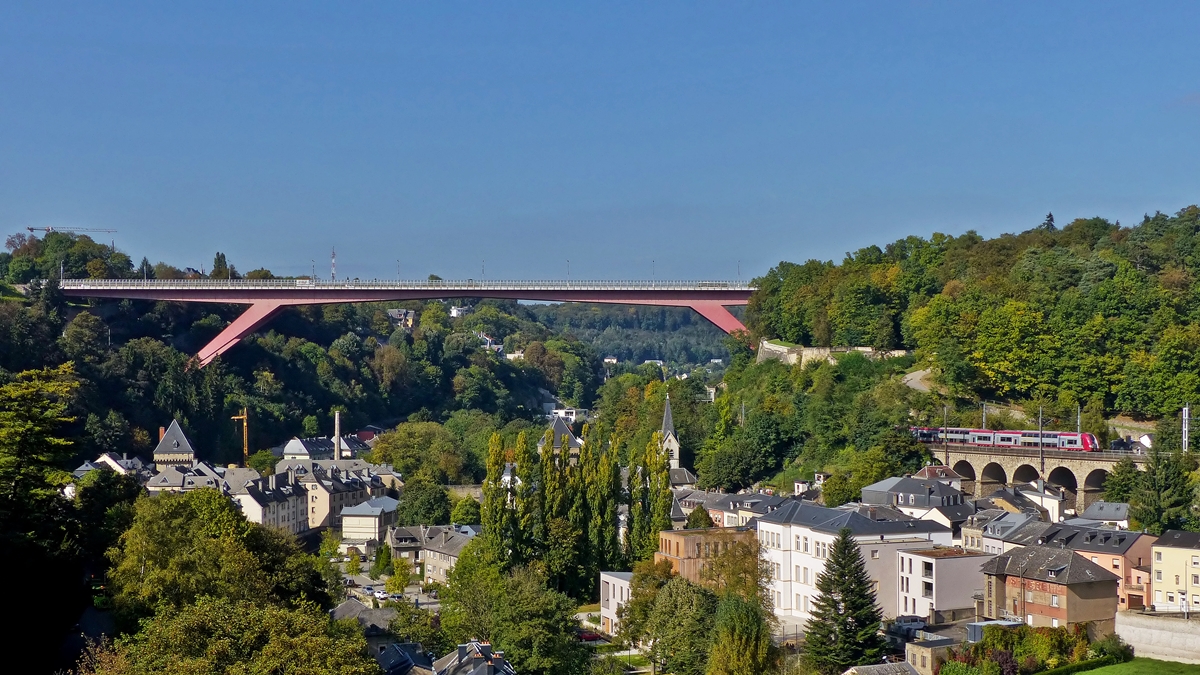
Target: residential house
x,y
798,536
1176,567
278,501
1015,501
1118,551
441,545
738,510
913,496
1049,497
456,312
940,473
197,475
688,551
971,530
690,500
570,415
1049,586
559,429
405,542
938,584
614,593
473,658
402,318
173,448
374,623
926,656
997,534
365,525
122,464
321,448
1113,514
952,517
380,479
330,490
405,658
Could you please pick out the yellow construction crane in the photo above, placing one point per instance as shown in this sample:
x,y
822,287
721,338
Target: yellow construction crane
x,y
245,419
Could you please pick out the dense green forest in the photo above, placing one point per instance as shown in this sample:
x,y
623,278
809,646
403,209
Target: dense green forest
x,y
1090,312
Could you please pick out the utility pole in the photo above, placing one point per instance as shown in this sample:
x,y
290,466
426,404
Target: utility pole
x,y
1041,447
946,433
245,420
1078,418
333,264
1187,415
983,404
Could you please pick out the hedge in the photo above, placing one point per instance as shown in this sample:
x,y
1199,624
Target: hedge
x,y
1081,666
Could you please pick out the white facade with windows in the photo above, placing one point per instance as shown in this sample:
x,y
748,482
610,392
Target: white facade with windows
x,y
798,538
933,580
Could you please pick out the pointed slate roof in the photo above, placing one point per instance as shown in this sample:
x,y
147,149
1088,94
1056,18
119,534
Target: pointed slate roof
x,y
173,442
560,428
668,425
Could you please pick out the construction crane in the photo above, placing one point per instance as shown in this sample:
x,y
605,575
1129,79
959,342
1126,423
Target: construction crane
x,y
68,229
244,418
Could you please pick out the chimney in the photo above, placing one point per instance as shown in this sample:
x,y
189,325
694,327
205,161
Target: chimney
x,y
337,434
462,653
162,431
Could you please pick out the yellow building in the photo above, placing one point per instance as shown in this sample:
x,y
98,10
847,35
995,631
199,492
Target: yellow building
x,y
1175,570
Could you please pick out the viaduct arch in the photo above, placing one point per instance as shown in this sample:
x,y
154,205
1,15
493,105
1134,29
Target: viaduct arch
x,y
1080,474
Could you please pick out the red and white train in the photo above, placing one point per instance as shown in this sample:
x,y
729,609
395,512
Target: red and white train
x,y
1063,440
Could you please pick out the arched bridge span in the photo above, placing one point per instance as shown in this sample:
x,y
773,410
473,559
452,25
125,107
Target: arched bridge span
x,y
265,297
1081,475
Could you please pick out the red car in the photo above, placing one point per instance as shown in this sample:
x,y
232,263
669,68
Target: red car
x,y
588,636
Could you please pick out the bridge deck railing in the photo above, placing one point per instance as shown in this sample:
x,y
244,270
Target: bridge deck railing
x,y
416,284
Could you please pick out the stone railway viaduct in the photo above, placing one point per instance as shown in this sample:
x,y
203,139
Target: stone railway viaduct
x,y
1080,474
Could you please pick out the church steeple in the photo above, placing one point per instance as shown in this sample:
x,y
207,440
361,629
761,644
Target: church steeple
x,y
670,441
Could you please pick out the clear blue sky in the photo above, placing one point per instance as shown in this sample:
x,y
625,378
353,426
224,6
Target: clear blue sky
x,y
693,134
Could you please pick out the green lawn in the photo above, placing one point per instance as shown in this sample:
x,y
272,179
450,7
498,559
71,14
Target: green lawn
x,y
593,608
1143,666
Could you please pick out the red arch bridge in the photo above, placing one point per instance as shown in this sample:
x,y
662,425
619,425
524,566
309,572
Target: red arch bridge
x,y
265,297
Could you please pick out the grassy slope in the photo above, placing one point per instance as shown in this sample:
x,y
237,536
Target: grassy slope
x,y
1140,666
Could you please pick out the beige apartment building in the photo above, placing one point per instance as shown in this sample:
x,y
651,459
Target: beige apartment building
x,y
1176,570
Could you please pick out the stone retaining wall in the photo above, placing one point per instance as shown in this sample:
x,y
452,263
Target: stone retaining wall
x,y
1161,637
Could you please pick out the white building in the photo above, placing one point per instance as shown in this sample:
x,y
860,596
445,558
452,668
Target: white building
x,y
278,501
797,539
938,584
614,593
369,521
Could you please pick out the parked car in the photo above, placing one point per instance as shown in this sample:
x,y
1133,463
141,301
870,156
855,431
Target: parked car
x,y
588,636
381,595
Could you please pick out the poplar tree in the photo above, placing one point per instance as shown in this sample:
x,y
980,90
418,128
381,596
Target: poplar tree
x,y
603,481
495,498
660,496
844,628
741,639
637,523
526,525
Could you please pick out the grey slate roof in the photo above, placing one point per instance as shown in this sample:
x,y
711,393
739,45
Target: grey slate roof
x,y
822,519
373,621
1179,539
1106,511
447,539
1045,563
682,477
405,658
668,425
372,507
173,442
473,658
560,428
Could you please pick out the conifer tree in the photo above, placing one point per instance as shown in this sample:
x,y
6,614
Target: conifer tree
x,y
1123,481
1163,496
844,629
